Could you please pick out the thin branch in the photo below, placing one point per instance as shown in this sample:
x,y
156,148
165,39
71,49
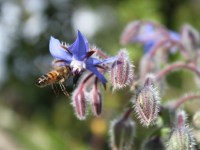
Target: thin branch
x,y
85,80
99,53
180,101
165,44
127,113
169,42
177,66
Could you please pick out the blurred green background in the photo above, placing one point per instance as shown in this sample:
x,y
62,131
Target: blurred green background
x,y
36,119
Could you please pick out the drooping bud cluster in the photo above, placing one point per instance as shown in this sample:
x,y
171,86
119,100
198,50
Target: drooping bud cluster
x,y
121,73
147,102
87,92
122,133
181,137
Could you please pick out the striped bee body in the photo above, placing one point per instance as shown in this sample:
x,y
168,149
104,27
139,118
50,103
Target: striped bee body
x,y
58,75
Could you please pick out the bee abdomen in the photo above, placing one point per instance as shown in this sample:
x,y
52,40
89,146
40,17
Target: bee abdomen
x,y
43,81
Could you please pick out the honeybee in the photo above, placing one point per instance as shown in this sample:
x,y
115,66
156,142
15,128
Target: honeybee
x,y
57,76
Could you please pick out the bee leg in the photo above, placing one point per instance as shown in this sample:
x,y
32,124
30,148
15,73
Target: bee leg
x,y
64,89
55,89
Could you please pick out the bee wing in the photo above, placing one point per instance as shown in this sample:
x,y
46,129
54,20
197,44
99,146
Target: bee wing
x,y
42,64
58,63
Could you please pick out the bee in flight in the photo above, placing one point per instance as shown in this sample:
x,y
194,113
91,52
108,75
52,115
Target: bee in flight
x,y
57,76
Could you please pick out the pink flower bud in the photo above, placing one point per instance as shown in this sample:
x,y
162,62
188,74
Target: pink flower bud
x,y
130,32
121,73
96,102
147,103
190,37
122,132
79,103
181,137
181,118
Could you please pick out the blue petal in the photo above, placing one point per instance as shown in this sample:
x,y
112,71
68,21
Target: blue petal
x,y
146,34
109,60
94,70
80,47
149,27
175,36
148,46
57,51
93,61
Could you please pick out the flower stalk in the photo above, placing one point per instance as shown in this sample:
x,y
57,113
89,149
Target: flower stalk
x,y
176,66
182,100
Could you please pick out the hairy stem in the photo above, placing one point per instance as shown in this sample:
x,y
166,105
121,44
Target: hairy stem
x,y
100,53
127,113
85,80
184,99
177,66
165,45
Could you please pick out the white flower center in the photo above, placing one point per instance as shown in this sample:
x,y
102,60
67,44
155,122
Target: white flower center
x,y
77,65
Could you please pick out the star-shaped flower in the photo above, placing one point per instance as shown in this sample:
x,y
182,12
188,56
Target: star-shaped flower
x,y
78,56
149,36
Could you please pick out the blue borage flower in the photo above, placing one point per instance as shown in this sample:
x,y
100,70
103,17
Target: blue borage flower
x,y
149,36
78,56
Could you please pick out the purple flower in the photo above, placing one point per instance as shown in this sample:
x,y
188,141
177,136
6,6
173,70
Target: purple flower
x,y
78,56
149,35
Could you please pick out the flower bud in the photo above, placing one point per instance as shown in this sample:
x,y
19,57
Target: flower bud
x,y
181,137
96,102
130,32
121,73
79,103
181,118
190,37
154,143
121,134
147,103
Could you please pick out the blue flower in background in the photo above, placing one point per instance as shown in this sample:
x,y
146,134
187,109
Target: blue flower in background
x,y
149,36
148,46
78,56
